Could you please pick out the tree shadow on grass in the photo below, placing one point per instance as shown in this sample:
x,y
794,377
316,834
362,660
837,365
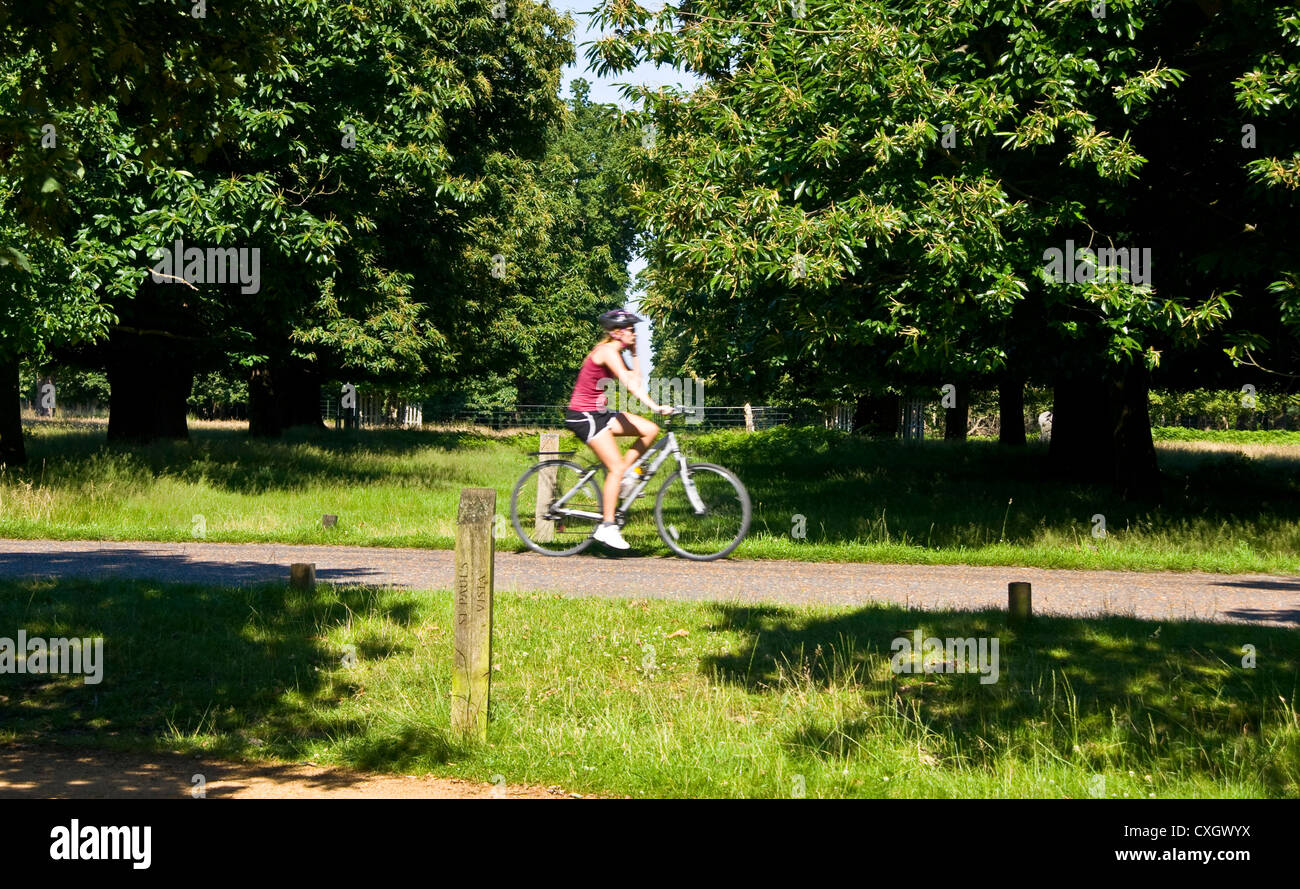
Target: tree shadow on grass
x,y
234,673
114,562
1180,695
975,493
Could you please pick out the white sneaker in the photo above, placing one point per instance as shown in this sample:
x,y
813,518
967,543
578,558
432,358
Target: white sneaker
x,y
610,536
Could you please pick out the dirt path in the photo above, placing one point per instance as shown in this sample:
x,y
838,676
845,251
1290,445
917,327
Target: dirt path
x,y
1241,598
53,772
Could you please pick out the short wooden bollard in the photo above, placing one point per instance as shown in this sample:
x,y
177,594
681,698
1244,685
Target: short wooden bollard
x,y
329,521
302,576
471,676
1020,606
544,530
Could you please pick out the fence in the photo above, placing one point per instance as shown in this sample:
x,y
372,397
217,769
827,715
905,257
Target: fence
x,y
374,409
1197,409
917,417
551,416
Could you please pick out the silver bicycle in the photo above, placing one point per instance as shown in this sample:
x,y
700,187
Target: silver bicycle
x,y
702,511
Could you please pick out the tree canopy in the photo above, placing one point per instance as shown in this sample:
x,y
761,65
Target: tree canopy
x,y
865,191
378,156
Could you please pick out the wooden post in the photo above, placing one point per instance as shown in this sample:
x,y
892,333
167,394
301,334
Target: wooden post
x,y
1019,603
302,576
471,676
543,530
749,418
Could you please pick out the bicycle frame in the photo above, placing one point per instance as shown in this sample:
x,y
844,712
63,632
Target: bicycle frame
x,y
661,450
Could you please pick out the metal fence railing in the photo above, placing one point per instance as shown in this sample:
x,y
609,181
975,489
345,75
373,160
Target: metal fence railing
x,y
917,418
551,416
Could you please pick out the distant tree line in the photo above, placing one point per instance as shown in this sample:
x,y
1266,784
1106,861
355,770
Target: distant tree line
x,y
383,191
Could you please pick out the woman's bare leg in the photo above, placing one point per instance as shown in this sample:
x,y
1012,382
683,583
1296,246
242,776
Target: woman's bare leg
x,y
646,431
605,447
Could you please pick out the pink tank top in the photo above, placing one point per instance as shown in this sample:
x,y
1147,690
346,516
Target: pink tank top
x,y
587,394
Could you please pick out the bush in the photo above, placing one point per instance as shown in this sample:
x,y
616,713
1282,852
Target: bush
x,y
219,395
1223,409
814,447
76,390
1234,436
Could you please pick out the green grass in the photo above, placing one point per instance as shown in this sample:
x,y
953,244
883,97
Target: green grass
x,y
1234,509
606,696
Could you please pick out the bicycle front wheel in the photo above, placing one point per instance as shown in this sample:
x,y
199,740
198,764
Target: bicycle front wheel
x,y
543,523
710,525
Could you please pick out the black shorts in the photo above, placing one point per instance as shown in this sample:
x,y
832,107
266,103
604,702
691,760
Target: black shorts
x,y
586,424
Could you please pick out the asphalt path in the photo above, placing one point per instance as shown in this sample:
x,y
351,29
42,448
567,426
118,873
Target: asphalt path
x,y
1241,598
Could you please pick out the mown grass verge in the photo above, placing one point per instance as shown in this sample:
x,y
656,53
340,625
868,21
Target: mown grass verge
x,y
818,495
667,699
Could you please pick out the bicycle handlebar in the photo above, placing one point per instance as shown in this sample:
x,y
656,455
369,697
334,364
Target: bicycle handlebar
x,y
681,410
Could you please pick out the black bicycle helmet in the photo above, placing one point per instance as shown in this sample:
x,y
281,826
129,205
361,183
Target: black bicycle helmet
x,y
617,318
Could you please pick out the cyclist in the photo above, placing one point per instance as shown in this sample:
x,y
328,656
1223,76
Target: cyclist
x,y
589,417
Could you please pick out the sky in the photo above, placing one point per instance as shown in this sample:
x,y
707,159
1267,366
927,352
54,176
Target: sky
x,y
604,89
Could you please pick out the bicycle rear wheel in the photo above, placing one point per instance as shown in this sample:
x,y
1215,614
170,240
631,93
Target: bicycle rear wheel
x,y
533,508
717,530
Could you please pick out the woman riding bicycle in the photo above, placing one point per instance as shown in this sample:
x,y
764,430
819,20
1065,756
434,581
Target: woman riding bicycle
x,y
589,418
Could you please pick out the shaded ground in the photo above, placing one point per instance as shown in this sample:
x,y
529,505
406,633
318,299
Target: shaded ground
x,y
1242,598
30,773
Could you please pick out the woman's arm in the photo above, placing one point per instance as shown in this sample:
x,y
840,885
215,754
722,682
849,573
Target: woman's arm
x,y
612,360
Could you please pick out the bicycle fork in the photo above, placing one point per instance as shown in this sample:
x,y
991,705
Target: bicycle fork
x,y
691,493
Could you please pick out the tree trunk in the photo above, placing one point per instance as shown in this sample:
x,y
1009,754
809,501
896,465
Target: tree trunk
x,y
12,449
877,415
263,405
300,395
149,377
1079,449
281,396
1135,472
1101,432
1011,410
957,418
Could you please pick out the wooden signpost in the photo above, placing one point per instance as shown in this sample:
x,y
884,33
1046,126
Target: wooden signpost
x,y
471,677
